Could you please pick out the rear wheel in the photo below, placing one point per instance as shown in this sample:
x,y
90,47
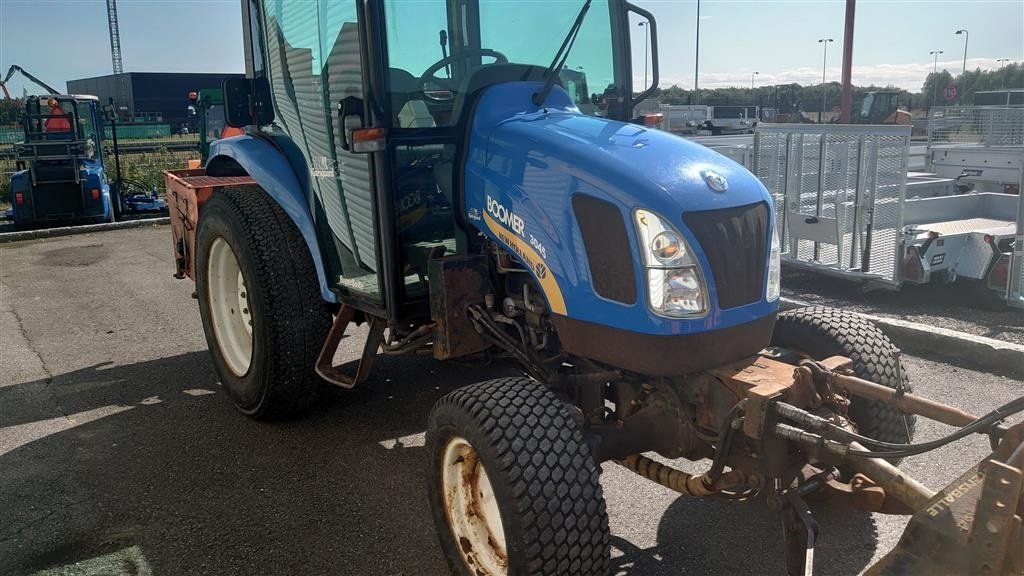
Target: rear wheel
x,y
262,312
513,487
822,332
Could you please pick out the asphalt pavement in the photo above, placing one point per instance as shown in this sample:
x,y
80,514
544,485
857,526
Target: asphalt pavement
x,y
962,306
121,454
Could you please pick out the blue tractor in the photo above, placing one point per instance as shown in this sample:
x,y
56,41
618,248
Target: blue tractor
x,y
61,177
434,171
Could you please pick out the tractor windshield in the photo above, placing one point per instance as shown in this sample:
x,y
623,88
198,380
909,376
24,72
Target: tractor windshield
x,y
432,52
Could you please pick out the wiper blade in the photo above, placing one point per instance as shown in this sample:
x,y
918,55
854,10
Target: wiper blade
x,y
560,57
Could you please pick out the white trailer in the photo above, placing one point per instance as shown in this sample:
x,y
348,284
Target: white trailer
x,y
842,208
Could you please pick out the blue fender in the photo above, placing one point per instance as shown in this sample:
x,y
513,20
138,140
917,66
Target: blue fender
x,y
265,164
524,165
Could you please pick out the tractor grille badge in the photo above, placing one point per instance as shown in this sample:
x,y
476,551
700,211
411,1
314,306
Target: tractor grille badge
x,y
715,181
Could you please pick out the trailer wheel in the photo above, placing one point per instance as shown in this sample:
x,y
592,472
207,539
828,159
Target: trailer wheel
x,y
823,332
262,312
513,487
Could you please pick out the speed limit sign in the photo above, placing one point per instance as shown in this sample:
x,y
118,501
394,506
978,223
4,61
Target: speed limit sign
x,y
949,92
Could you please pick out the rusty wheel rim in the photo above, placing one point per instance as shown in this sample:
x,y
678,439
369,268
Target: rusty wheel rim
x,y
472,510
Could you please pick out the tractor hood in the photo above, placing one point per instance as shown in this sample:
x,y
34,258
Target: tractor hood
x,y
559,188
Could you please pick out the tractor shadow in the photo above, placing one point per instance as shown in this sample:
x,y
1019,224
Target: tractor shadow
x,y
702,536
149,465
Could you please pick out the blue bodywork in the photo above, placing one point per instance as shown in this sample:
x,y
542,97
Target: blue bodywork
x,y
532,161
266,164
92,174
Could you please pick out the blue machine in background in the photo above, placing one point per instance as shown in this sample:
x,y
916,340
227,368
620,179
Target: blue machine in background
x,y
61,176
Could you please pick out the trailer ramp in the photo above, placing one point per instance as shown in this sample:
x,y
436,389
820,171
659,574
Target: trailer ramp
x,y
838,193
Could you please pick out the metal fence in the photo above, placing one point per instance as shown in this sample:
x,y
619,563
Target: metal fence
x,y
838,192
142,162
976,125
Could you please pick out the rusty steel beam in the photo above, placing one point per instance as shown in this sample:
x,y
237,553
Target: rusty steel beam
x,y
905,402
895,483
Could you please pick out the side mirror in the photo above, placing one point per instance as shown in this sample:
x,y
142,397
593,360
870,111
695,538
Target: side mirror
x,y
247,102
109,114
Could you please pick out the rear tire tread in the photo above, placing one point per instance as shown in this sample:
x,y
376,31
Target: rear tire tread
x,y
296,319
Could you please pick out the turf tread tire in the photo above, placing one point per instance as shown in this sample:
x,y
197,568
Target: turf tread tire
x,y
290,317
544,476
822,332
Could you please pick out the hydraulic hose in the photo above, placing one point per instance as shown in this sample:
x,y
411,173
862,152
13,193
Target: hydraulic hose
x,y
897,450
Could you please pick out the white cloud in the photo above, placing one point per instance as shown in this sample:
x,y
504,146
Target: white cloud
x,y
908,76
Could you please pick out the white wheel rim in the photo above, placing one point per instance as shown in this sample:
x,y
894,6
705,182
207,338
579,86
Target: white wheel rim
x,y
229,307
473,510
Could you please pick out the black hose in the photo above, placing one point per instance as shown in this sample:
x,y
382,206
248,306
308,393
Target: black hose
x,y
903,450
722,450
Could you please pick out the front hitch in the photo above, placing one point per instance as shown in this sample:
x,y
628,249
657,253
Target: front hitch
x,y
973,526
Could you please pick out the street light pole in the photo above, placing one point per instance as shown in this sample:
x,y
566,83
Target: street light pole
x,y
1002,61
935,69
824,58
696,60
967,37
647,40
935,66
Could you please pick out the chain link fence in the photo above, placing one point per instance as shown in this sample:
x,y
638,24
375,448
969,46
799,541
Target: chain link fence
x,y
143,161
976,125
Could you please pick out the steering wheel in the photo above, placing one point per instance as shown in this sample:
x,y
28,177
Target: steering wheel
x,y
428,74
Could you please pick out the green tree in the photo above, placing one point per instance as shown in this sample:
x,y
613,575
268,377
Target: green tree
x,y
10,110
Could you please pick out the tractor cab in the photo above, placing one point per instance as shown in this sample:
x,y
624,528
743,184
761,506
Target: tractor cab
x,y
207,106
882,107
60,173
381,104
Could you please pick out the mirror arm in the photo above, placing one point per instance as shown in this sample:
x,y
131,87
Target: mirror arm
x,y
652,27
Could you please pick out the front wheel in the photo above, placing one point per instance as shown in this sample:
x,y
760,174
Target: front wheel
x,y
823,332
513,487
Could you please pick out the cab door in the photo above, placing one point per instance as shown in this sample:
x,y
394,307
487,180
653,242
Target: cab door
x,y
314,60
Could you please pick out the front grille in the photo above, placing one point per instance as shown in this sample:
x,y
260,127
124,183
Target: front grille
x,y
604,236
735,242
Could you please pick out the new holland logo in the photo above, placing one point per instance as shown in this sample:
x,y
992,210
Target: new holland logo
x,y
540,269
715,181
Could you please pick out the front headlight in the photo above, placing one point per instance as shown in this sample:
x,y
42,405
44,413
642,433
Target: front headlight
x,y
675,287
774,268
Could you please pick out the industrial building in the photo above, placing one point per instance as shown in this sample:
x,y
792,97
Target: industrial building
x,y
151,97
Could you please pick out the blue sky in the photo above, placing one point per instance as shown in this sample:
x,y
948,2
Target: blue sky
x,y
61,40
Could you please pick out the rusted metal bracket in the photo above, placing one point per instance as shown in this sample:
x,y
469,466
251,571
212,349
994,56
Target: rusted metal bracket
x,y
973,526
325,361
